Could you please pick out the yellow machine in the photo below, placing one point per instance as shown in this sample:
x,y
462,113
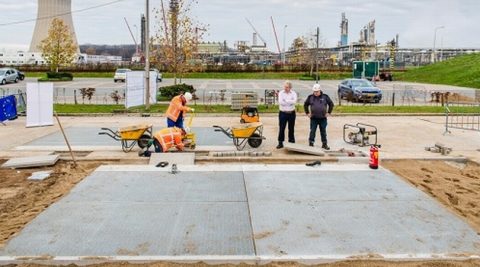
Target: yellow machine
x,y
131,135
249,115
190,139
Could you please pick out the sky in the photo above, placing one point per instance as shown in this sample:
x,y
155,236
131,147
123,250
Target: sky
x,y
414,20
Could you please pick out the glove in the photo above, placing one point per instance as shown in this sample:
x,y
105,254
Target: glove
x,y
192,109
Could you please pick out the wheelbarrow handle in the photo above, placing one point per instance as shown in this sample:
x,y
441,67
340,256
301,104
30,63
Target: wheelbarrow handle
x,y
112,136
221,129
109,130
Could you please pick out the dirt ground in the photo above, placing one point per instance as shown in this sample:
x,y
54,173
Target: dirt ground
x,y
22,200
455,185
359,263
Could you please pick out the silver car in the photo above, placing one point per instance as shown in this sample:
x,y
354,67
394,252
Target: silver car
x,y
120,75
8,76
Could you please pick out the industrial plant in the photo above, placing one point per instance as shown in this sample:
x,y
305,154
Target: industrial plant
x,y
242,52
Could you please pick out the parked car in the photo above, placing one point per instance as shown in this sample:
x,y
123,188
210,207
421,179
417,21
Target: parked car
x,y
159,75
120,75
20,75
359,90
8,76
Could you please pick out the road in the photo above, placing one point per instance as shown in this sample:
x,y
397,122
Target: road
x,y
209,89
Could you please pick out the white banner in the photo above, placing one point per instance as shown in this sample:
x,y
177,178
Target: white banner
x,y
135,88
39,104
153,87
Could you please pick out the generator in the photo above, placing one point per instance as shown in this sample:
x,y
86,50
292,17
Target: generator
x,y
249,115
360,134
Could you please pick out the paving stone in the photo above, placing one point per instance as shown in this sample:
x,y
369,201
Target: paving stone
x,y
179,158
305,149
29,162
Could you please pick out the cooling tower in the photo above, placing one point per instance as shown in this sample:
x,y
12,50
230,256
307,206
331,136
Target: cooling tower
x,y
47,11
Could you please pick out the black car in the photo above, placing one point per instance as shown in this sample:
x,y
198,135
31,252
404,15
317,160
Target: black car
x,y
359,90
20,75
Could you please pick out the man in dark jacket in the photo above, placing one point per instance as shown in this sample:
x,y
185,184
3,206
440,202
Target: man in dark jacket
x,y
318,106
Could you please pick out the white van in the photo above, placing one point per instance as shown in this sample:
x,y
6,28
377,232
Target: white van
x,y
121,75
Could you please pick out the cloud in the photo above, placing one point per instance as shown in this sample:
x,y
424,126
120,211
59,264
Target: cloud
x,y
414,20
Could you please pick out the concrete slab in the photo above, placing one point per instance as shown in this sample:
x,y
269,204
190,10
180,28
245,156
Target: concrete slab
x,y
87,138
143,213
28,162
351,214
173,158
304,149
259,212
40,176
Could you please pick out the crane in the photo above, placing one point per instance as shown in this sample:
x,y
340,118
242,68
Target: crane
x,y
255,30
131,33
276,37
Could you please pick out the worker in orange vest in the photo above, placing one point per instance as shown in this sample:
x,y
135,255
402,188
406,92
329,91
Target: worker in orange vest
x,y
176,110
164,140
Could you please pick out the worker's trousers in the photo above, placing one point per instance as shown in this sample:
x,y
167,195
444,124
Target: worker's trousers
x,y
322,124
285,118
178,123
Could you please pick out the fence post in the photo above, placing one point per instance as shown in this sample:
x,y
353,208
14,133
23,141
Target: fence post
x,y
447,112
393,99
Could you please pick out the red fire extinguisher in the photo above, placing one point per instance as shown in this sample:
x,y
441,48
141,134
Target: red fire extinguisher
x,y
374,150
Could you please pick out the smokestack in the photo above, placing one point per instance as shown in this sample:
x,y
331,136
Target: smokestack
x,y
47,11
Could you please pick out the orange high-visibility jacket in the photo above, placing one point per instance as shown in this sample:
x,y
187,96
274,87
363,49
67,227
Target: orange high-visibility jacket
x,y
176,106
170,137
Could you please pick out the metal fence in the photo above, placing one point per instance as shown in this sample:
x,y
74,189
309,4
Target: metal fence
x,y
393,95
462,115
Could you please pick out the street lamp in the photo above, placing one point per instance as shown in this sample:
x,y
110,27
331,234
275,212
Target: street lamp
x,y
284,37
147,55
435,41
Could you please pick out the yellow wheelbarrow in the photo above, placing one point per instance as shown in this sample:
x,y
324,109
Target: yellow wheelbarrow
x,y
129,136
251,133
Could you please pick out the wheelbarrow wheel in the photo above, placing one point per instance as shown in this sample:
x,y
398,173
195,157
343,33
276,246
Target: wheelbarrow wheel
x,y
143,141
255,140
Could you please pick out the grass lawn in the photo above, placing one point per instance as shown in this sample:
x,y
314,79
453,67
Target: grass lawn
x,y
219,75
459,71
161,108
261,75
75,74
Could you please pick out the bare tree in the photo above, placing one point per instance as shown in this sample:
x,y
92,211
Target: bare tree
x,y
178,36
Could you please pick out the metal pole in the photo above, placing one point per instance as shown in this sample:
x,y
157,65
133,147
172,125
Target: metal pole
x,y
284,47
434,44
435,41
147,55
316,54
441,50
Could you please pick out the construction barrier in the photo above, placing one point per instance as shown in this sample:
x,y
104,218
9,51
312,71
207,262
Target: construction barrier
x,y
462,115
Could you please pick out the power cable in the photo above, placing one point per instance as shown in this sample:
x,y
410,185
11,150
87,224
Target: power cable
x,y
61,14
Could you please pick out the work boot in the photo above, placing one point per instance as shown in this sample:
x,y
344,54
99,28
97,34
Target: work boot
x,y
280,145
325,146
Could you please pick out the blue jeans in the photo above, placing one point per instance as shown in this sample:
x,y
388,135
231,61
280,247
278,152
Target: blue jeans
x,y
178,123
322,124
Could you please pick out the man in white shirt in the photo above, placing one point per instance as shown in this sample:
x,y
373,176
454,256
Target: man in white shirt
x,y
287,99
